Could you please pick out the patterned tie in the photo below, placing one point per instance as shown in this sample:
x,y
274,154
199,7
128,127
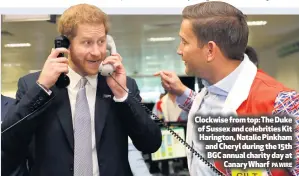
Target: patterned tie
x,y
82,134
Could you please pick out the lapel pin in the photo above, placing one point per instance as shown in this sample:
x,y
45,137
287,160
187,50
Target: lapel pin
x,y
106,96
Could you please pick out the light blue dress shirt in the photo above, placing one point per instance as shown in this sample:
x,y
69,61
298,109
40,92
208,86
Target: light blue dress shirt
x,y
212,103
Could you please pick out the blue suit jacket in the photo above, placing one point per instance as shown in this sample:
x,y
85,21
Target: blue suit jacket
x,y
21,170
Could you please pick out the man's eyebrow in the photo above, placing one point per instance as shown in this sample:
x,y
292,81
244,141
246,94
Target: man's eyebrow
x,y
88,37
181,36
103,37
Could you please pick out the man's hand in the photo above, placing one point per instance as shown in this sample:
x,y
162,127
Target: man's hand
x,y
171,82
53,67
119,75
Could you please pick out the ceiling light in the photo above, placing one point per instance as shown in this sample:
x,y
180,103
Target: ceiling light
x,y
33,71
17,45
256,23
11,64
161,39
18,18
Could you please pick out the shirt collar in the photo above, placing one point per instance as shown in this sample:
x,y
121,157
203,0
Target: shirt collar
x,y
75,78
224,86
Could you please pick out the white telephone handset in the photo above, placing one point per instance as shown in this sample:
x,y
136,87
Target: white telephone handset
x,y
108,69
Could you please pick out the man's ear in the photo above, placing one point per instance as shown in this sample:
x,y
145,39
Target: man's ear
x,y
211,49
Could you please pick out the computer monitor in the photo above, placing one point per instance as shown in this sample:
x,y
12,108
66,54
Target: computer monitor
x,y
171,147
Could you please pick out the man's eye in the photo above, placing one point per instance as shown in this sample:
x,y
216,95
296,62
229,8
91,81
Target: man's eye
x,y
87,42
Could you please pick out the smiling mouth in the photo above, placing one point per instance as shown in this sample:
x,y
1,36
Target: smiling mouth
x,y
92,61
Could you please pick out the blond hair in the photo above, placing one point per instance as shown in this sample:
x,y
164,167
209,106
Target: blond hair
x,y
80,14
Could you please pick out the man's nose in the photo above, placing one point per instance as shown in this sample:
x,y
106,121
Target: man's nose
x,y
96,50
179,52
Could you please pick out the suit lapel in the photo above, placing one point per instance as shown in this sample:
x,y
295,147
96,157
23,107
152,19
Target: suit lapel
x,y
190,124
102,105
65,114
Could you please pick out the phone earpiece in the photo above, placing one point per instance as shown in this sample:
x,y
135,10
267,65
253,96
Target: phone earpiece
x,y
62,42
106,70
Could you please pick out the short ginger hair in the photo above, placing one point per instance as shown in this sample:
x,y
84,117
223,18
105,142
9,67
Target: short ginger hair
x,y
81,14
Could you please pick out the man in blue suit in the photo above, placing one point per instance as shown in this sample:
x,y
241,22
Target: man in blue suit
x,y
21,170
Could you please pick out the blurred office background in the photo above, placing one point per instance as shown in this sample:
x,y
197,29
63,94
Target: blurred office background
x,y
147,44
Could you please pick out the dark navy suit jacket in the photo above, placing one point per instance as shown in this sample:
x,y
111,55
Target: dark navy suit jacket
x,y
16,168
49,123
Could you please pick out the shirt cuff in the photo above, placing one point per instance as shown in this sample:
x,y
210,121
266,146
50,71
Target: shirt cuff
x,y
121,99
49,92
182,98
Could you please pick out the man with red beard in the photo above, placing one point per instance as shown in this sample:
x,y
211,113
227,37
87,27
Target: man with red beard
x,y
82,129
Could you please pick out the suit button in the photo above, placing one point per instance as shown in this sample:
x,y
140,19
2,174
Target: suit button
x,y
71,167
41,98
